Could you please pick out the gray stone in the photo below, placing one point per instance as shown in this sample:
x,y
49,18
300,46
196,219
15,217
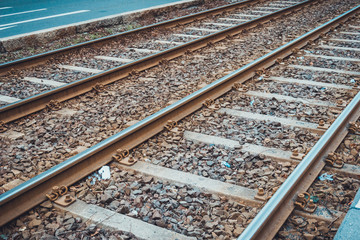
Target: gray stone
x,y
106,198
160,223
238,231
48,237
136,192
209,225
69,221
188,199
124,209
35,223
46,204
156,215
210,163
91,227
114,205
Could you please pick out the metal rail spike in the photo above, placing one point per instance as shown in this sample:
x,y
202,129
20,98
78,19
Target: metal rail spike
x,y
122,156
54,105
170,125
99,87
3,127
334,160
354,128
305,203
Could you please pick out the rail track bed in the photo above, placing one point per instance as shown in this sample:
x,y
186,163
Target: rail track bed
x,y
47,138
86,61
210,174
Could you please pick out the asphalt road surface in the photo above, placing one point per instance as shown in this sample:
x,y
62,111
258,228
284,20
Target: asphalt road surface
x,y
24,16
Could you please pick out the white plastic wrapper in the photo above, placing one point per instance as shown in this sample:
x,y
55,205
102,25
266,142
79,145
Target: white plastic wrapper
x,y
105,172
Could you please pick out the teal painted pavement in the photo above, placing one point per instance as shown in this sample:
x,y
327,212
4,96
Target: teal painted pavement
x,y
24,16
350,227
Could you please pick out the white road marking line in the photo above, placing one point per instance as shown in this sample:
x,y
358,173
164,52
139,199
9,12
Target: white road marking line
x,y
1,8
8,99
344,40
333,58
44,81
340,48
307,82
324,69
202,29
7,27
81,69
42,18
11,14
125,60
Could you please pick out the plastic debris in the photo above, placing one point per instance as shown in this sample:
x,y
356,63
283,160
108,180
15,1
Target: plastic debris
x,y
326,176
352,81
226,164
314,198
2,236
260,78
323,88
105,172
252,102
102,174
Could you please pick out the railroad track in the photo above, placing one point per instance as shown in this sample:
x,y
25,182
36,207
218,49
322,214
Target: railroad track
x,y
198,136
114,58
33,144
36,143
238,137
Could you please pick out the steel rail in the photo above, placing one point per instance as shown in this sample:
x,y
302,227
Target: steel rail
x,y
27,195
38,58
273,215
40,101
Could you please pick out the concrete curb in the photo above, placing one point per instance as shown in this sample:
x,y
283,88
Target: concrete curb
x,y
47,35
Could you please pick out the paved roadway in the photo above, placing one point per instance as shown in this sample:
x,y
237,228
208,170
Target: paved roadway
x,y
24,16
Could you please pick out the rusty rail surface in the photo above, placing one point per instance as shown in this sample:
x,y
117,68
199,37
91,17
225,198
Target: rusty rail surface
x,y
40,101
273,215
31,193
